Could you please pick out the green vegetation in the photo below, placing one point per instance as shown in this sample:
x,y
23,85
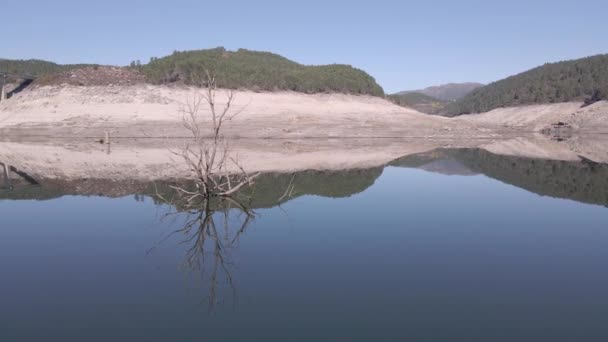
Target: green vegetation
x,y
35,67
583,79
31,67
257,71
421,102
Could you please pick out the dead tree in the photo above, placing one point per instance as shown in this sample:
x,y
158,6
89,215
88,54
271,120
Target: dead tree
x,y
213,188
216,172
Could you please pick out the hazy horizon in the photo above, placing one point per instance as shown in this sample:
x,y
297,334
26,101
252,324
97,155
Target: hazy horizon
x,y
403,46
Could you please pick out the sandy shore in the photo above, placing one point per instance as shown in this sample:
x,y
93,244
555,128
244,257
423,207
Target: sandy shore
x,y
150,159
54,131
592,119
154,111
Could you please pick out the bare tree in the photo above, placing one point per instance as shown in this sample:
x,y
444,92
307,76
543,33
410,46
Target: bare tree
x,y
212,190
216,172
212,199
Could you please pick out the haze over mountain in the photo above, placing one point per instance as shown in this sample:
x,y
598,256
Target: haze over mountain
x,y
420,102
447,92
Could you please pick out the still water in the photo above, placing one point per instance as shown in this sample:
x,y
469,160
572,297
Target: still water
x,y
454,245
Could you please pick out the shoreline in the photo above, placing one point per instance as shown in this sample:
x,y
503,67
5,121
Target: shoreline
x,y
274,132
152,158
139,111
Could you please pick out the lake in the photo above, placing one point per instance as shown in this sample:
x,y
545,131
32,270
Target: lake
x,y
448,245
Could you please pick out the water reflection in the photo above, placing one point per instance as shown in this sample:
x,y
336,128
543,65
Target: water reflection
x,y
451,252
583,180
210,230
15,180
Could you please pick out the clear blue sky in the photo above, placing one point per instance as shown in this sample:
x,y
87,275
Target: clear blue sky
x,y
403,44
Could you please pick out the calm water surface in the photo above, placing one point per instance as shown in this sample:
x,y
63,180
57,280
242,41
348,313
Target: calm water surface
x,y
464,246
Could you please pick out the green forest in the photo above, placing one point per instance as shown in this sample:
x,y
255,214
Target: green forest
x,y
35,67
242,69
32,67
257,71
584,79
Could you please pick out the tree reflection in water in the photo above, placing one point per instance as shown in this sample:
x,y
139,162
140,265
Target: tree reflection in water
x,y
212,228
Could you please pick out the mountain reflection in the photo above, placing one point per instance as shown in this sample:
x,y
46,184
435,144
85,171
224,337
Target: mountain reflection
x,y
583,180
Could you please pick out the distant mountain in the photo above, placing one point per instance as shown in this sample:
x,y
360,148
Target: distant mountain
x,y
584,79
420,102
447,92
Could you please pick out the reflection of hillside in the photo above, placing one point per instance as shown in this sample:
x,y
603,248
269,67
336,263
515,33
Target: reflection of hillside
x,y
434,161
582,181
271,187
54,188
268,190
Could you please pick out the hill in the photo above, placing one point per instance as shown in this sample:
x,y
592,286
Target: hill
x,y
35,67
447,92
31,67
420,102
242,69
575,80
258,71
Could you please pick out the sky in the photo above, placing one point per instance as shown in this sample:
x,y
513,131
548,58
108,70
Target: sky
x,y
403,44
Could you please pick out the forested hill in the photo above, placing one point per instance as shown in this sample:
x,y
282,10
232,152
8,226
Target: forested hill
x,y
575,80
33,67
241,69
258,71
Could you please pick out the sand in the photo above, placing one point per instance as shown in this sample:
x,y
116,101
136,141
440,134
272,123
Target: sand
x,y
53,131
154,111
150,159
592,119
